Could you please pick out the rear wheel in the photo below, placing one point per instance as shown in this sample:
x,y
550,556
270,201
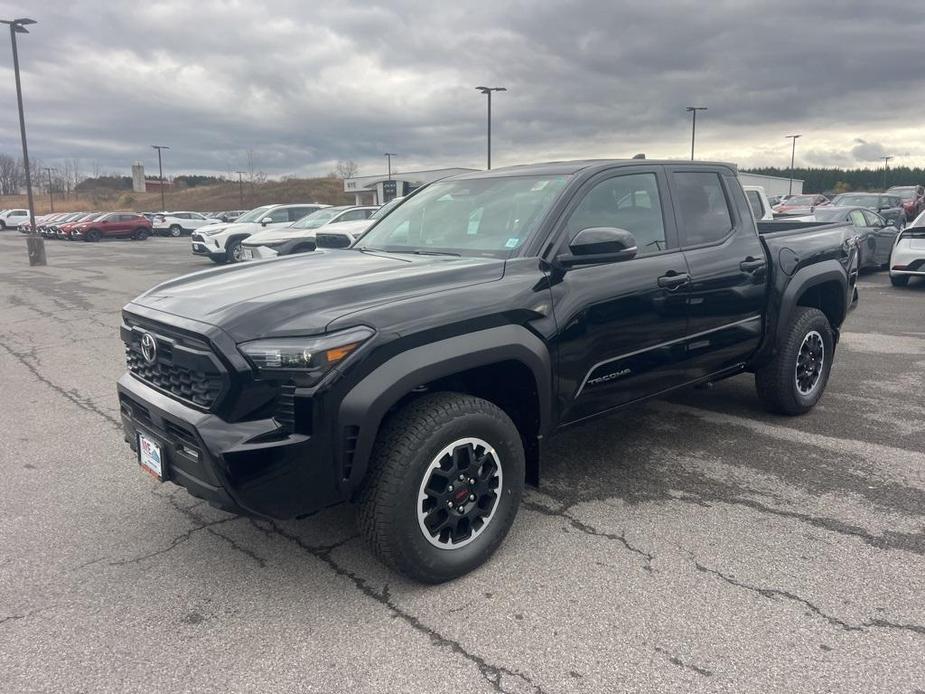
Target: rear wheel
x,y
793,382
899,280
2,225
140,234
93,235
175,230
445,484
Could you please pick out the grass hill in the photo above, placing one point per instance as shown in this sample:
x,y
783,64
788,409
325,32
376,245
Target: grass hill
x,y
214,198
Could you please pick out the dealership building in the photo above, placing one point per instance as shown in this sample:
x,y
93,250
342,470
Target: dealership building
x,y
378,190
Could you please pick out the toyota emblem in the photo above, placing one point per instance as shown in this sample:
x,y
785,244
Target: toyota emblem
x,y
149,348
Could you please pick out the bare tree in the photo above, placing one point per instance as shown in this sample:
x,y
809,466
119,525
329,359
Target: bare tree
x,y
9,175
346,169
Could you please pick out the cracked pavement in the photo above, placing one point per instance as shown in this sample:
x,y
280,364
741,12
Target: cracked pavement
x,y
694,544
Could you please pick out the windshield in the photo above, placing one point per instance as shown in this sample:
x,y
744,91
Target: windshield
x,y
317,218
476,217
827,214
254,215
856,201
904,193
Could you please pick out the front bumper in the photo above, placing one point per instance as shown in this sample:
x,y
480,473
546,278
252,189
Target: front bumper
x,y
206,246
253,467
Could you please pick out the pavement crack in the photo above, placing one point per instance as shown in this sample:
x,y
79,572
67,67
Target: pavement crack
x,y
581,526
260,561
179,540
491,673
72,396
675,660
26,615
834,621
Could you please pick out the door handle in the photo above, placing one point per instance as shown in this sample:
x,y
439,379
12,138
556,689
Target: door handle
x,y
752,264
672,282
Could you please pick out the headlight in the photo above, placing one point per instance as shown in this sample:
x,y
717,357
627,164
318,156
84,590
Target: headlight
x,y
312,356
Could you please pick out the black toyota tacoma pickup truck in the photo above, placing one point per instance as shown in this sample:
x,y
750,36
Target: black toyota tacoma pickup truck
x,y
418,372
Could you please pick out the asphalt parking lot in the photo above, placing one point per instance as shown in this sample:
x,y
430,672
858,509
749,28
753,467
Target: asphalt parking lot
x,y
695,544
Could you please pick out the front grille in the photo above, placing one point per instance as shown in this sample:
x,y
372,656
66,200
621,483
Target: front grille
x,y
184,367
195,386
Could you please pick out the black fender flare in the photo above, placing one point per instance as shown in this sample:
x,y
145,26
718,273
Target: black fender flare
x,y
367,403
807,278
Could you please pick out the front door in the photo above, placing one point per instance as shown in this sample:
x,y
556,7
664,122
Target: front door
x,y
728,268
620,324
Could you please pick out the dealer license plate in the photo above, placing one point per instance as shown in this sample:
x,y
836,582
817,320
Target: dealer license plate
x,y
149,456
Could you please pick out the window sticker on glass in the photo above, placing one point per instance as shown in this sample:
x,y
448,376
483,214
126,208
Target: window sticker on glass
x,y
512,243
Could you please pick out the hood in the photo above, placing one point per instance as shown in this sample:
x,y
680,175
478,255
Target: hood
x,y
302,294
354,228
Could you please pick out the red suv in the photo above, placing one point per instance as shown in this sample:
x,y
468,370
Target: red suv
x,y
113,225
913,199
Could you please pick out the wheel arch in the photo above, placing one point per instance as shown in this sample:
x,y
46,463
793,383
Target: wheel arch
x,y
507,365
823,286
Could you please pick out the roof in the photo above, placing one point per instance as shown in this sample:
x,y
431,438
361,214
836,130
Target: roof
x,y
571,167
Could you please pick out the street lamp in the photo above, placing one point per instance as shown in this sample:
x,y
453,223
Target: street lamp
x,y
487,92
886,164
160,170
241,186
693,111
793,152
36,244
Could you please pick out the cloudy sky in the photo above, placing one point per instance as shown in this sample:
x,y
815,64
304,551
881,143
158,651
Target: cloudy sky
x,y
303,83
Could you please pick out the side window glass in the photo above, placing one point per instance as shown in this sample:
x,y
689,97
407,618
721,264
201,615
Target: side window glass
x,y
754,201
628,202
857,218
281,215
296,213
873,220
703,212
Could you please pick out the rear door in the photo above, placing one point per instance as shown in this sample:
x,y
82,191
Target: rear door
x,y
620,324
883,235
727,264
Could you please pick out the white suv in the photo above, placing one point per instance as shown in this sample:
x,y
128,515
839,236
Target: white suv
x,y
221,243
177,223
908,256
10,219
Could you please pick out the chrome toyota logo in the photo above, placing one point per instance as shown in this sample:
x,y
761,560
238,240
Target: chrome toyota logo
x,y
149,348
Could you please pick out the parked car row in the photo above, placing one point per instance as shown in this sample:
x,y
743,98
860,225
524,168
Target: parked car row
x,y
90,226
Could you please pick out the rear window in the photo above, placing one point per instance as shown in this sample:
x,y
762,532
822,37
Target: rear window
x,y
754,201
702,207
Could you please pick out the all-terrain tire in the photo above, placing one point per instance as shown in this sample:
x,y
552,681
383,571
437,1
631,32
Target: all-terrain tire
x,y
409,444
779,383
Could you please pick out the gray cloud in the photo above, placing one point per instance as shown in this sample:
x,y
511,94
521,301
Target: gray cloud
x,y
305,84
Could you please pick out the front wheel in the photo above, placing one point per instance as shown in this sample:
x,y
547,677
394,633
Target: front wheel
x,y
93,235
445,484
793,382
234,253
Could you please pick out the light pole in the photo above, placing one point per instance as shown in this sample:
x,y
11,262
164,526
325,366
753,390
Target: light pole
x,y
793,152
487,91
886,164
388,163
241,186
36,244
51,194
693,111
160,172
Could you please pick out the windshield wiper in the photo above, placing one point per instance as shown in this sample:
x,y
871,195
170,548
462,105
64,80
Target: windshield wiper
x,y
420,252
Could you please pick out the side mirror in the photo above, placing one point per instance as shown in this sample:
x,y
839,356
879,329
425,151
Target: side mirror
x,y
265,221
600,245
